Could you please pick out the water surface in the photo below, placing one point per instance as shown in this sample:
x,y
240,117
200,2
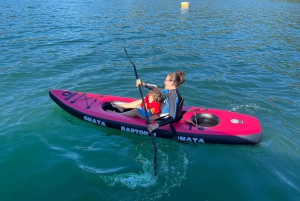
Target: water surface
x,y
241,56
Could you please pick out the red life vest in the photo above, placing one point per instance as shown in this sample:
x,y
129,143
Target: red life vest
x,y
154,107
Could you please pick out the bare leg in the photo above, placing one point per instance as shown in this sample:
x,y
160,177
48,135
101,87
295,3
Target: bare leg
x,y
130,105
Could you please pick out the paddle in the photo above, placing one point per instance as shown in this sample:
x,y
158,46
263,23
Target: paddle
x,y
142,97
148,122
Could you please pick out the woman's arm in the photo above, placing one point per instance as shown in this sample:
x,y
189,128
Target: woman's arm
x,y
148,86
152,86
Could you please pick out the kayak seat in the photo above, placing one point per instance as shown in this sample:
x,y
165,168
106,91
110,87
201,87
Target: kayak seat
x,y
179,111
178,114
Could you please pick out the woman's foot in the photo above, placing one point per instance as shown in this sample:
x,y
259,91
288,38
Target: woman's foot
x,y
117,107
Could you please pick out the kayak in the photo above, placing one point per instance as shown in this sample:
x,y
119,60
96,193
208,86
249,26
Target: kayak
x,y
197,124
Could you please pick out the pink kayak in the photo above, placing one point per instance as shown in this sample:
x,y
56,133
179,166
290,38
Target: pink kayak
x,y
198,124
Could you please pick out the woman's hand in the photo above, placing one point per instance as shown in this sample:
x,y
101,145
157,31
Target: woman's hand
x,y
140,83
152,127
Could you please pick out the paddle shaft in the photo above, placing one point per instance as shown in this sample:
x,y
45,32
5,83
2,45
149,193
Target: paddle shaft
x,y
141,93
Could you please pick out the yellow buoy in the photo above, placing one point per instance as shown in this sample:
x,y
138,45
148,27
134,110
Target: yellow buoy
x,y
185,4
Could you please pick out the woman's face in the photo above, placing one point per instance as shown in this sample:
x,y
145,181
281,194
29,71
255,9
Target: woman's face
x,y
168,82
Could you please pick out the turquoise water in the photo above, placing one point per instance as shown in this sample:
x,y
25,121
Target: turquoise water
x,y
241,56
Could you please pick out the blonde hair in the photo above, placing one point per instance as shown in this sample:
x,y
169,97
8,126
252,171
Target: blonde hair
x,y
157,95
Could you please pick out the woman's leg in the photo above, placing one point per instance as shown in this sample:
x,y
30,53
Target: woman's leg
x,y
153,117
130,105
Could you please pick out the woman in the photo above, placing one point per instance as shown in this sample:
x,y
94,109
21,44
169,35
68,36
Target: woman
x,y
172,98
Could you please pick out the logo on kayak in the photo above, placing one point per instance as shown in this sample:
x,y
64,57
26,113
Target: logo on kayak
x,y
188,139
68,94
137,131
72,95
94,121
